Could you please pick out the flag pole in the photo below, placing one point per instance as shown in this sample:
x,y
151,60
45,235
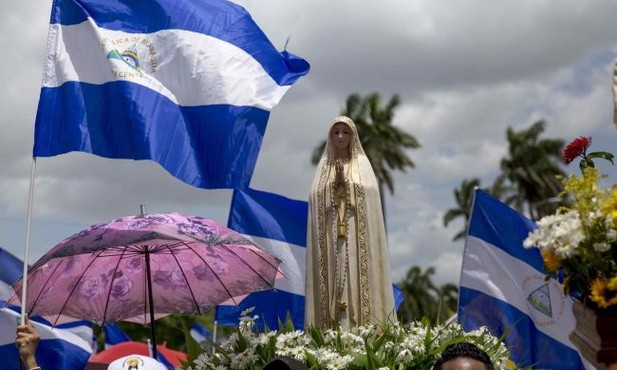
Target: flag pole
x,y
24,279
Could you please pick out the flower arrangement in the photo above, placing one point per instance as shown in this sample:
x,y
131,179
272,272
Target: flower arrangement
x,y
579,242
366,347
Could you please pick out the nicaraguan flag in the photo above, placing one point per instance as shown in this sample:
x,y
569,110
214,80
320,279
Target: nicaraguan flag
x,y
278,225
503,287
186,83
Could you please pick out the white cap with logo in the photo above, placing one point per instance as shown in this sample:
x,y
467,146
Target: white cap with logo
x,y
136,362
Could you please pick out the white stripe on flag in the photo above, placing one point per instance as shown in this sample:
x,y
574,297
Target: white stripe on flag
x,y
212,68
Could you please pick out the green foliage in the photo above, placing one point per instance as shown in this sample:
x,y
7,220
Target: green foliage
x,y
587,160
530,171
464,200
422,298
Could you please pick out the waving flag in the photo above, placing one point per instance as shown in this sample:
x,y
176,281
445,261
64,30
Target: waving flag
x,y
503,287
186,83
278,225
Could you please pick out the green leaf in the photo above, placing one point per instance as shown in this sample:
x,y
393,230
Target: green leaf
x,y
604,155
193,349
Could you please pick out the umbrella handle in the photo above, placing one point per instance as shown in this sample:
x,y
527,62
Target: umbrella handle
x,y
151,304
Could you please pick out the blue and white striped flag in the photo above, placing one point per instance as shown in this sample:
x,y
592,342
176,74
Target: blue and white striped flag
x,y
200,333
278,225
503,287
186,83
65,347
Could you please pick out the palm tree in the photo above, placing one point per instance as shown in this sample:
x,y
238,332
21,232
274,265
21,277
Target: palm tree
x,y
529,177
464,200
383,143
448,295
422,298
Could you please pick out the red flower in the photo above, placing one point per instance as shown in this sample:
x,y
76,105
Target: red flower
x,y
577,148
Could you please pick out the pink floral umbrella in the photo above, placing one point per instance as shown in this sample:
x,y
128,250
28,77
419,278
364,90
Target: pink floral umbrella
x,y
140,268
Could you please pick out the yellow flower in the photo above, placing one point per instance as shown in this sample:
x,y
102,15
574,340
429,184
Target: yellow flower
x,y
612,283
551,260
609,206
601,294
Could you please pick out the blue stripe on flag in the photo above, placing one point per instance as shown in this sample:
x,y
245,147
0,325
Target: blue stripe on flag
x,y
479,309
270,216
503,288
12,267
114,334
203,70
218,18
270,306
200,145
398,296
511,231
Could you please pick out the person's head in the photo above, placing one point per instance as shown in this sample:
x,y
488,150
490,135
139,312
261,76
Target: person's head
x,y
463,356
136,362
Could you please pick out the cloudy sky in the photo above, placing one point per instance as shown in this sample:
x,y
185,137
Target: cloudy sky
x,y
465,70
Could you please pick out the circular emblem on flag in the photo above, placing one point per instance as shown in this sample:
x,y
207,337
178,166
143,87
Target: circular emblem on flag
x,y
130,56
545,299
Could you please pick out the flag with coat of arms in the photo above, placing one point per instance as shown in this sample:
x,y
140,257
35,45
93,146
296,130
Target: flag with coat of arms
x,y
503,286
188,84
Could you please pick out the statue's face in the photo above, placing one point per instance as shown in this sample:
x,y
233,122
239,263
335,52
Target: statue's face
x,y
340,136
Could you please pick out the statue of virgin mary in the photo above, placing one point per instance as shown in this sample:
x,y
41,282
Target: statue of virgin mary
x,y
348,280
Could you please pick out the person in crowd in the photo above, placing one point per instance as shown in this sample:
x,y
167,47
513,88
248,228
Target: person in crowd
x,y
348,281
463,356
26,341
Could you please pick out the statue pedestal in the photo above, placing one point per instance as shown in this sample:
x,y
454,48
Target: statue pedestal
x,y
595,335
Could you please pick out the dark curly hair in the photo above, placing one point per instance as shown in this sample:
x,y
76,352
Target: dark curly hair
x,y
463,350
